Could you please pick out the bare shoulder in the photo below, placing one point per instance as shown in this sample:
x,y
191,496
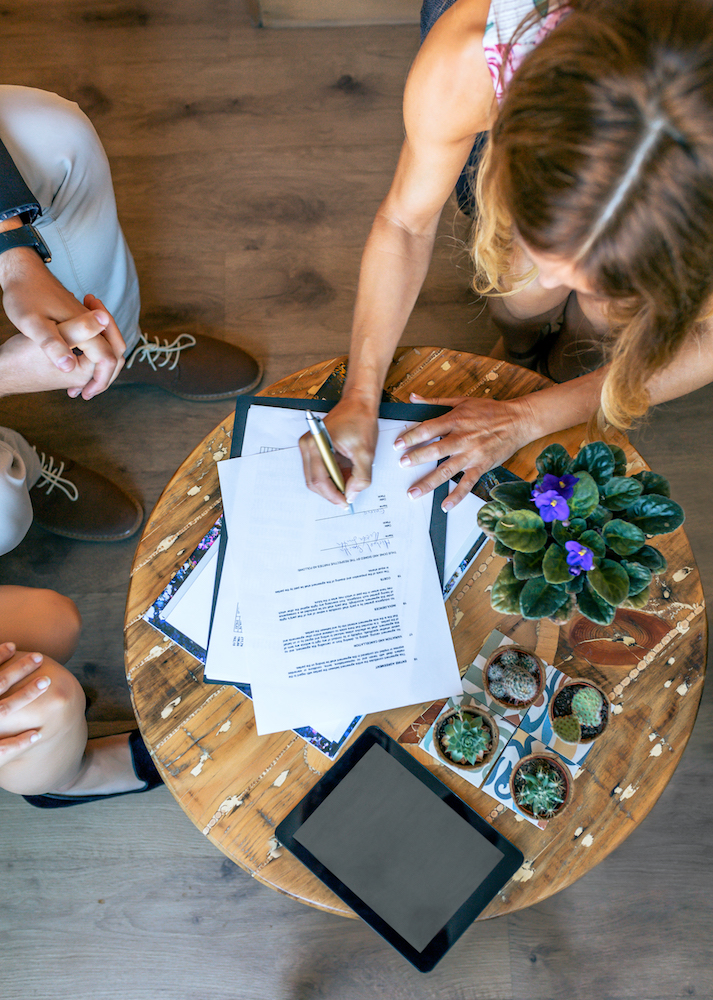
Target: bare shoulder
x,y
449,92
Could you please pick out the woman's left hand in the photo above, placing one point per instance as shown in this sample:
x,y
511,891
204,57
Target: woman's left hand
x,y
475,436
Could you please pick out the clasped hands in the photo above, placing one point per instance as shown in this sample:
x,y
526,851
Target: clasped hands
x,y
472,438
15,695
53,323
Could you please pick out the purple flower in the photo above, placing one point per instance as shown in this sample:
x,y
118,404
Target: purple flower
x,y
579,557
564,485
551,506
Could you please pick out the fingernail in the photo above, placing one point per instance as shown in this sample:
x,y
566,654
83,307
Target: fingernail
x,y
414,493
73,393
405,461
447,505
66,364
10,646
35,737
399,444
36,657
102,318
43,683
350,498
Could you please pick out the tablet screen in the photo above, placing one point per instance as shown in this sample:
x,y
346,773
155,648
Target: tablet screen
x,y
410,857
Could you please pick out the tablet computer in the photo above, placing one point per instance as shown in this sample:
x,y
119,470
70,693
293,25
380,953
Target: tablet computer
x,y
409,856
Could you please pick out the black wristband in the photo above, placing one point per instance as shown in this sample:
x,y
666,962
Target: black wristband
x,y
25,236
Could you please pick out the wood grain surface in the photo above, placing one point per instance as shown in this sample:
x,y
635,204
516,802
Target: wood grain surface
x,y
237,786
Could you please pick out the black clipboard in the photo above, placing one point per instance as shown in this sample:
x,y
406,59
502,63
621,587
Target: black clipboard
x,y
389,411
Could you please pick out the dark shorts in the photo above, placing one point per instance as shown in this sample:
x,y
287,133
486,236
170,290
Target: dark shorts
x,y
431,10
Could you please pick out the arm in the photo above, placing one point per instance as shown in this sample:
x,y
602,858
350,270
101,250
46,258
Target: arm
x,y
36,303
448,99
481,433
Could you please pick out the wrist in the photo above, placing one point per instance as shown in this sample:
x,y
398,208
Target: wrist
x,y
14,223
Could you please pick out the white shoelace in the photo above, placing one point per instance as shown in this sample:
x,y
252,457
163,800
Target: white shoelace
x,y
163,354
51,476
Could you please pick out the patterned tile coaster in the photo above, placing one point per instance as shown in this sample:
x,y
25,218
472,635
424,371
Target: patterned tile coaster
x,y
497,783
473,777
537,720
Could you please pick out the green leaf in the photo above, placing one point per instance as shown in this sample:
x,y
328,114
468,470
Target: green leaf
x,y
651,558
528,564
620,492
489,515
610,581
564,612
639,576
515,496
554,565
585,497
638,601
653,483
575,584
620,462
502,550
655,514
554,460
540,599
594,608
596,459
521,530
568,531
594,541
624,538
599,517
505,595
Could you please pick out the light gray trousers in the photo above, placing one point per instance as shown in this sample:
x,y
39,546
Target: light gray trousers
x,y
58,153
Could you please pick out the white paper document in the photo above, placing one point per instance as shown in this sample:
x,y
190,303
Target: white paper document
x,y
329,614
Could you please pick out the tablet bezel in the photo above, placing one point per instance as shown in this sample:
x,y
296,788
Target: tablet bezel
x,y
465,915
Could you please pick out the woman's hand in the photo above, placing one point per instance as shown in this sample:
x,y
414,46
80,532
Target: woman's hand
x,y
475,436
15,696
354,432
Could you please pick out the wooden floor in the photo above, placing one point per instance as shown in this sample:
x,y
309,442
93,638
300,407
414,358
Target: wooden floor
x,y
248,164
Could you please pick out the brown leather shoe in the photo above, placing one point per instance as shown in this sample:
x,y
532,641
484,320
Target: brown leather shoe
x,y
192,367
71,500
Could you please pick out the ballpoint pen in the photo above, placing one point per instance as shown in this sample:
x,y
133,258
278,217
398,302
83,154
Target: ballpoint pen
x,y
326,450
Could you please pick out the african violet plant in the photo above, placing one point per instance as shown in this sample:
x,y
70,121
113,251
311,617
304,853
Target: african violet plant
x,y
576,538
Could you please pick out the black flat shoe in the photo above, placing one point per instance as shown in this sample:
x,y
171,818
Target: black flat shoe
x,y
144,769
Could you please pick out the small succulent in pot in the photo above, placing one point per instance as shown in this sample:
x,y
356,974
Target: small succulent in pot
x,y
576,539
466,736
514,677
579,711
541,785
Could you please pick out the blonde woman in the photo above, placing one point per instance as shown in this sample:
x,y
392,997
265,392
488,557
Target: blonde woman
x,y
594,218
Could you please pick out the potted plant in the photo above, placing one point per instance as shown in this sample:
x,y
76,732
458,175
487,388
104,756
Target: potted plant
x,y
514,677
575,539
466,736
579,711
541,785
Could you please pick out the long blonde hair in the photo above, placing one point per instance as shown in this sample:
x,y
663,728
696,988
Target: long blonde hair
x,y
602,154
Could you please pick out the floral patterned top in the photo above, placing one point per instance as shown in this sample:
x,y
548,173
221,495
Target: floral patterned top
x,y
504,18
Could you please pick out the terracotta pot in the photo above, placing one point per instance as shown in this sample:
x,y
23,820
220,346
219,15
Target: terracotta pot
x,y
555,762
473,709
576,682
517,705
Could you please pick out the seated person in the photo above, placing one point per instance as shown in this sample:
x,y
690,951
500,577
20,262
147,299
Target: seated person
x,y
69,284
44,752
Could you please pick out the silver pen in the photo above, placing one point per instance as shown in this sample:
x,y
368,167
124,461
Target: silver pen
x,y
326,450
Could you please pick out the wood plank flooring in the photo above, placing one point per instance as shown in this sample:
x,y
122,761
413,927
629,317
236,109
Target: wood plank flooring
x,y
248,164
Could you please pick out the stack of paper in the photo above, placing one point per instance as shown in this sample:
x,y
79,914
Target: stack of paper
x,y
328,614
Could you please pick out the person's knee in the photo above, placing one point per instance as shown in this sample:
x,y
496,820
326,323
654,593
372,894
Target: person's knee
x,y
58,709
64,621
39,620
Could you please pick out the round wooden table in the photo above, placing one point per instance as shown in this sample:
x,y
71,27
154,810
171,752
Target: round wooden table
x,y
237,786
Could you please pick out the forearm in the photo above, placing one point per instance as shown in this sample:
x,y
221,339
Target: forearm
x,y
393,269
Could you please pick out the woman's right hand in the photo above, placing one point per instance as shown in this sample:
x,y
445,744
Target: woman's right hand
x,y
353,429
14,697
